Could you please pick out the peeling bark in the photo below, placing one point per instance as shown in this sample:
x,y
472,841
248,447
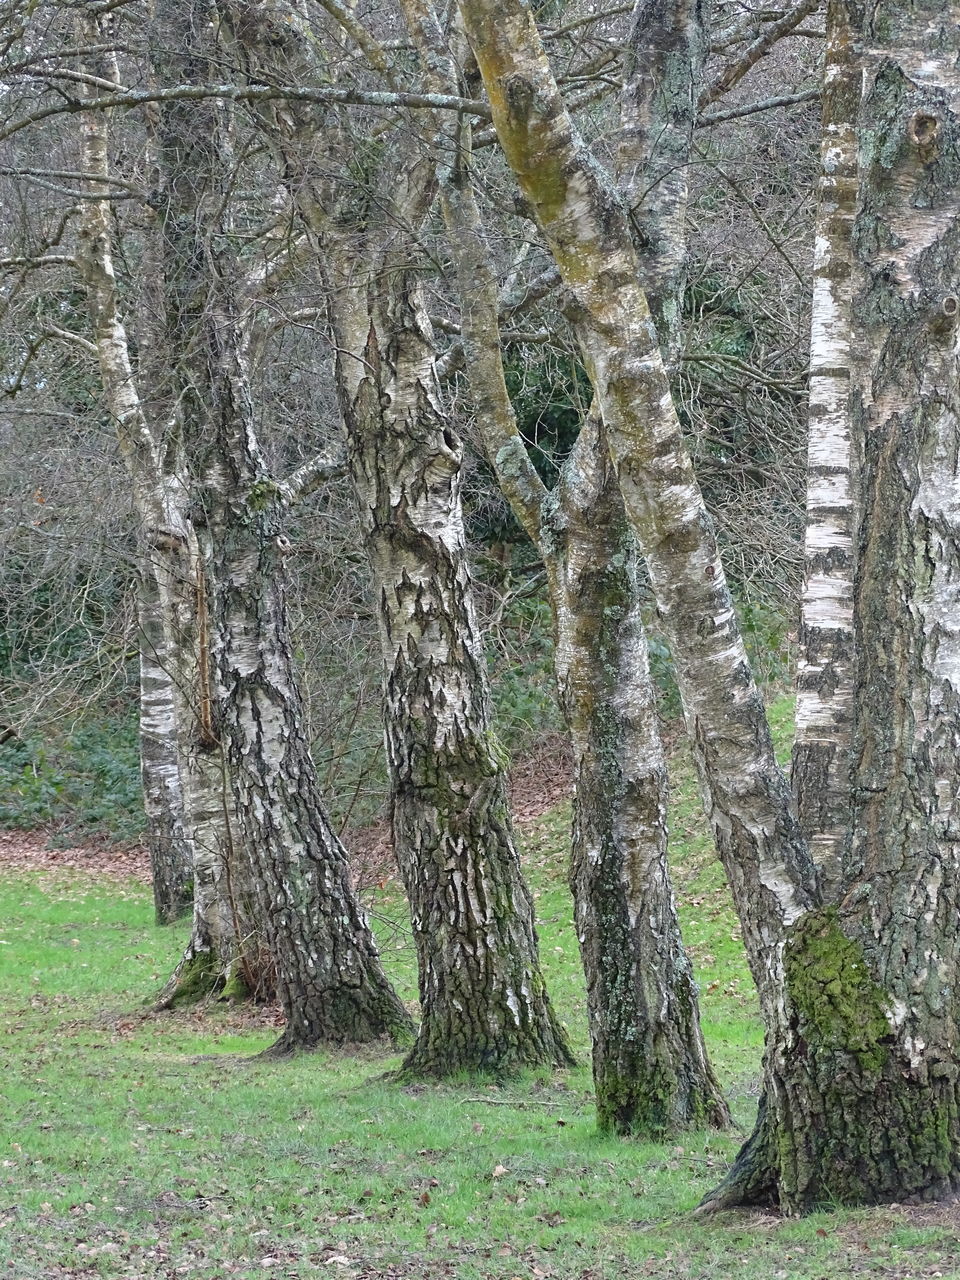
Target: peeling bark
x,y
329,978
826,673
171,853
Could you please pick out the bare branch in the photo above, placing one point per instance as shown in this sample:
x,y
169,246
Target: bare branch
x,y
67,335
751,108
513,302
68,175
313,473
577,23
44,260
373,51
735,70
735,187
253,93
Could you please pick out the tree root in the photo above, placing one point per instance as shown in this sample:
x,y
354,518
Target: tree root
x,y
751,1179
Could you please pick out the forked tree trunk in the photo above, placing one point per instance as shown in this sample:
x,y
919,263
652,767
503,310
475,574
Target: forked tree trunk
x,y
329,978
861,1071
483,999
866,1107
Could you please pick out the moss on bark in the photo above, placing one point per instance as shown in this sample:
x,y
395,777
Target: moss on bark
x,y
839,1006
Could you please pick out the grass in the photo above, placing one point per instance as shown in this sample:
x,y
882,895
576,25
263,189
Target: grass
x,y
157,1146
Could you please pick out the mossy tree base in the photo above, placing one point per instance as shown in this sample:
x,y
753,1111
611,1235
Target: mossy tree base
x,y
198,976
853,1113
341,1023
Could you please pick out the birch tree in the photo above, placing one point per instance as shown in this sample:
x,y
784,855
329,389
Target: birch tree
x,y
826,676
860,1094
483,999
171,853
650,1069
330,980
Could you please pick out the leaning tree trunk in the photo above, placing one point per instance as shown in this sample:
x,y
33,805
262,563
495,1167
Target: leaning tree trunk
x,y
484,1004
650,1069
331,983
861,1071
747,798
171,854
329,978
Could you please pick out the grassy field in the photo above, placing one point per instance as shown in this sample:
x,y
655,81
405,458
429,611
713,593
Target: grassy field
x,y
141,1145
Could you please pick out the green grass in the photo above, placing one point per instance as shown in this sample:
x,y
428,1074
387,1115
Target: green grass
x,y
158,1146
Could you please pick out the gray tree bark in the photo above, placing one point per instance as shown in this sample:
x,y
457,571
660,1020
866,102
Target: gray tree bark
x,y
171,853
861,1068
212,956
650,1069
584,223
483,999
330,981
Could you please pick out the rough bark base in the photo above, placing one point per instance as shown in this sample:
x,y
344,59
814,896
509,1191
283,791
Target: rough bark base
x,y
484,1002
847,1118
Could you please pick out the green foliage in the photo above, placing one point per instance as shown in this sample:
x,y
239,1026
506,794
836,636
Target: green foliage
x,y
521,675
84,783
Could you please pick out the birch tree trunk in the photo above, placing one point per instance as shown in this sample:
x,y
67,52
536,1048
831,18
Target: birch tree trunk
x,y
330,981
826,673
171,853
650,1069
226,953
747,798
867,1108
211,957
483,1000
861,1069
650,1066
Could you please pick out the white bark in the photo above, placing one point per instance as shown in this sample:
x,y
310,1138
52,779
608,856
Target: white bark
x,y
826,669
171,854
174,558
